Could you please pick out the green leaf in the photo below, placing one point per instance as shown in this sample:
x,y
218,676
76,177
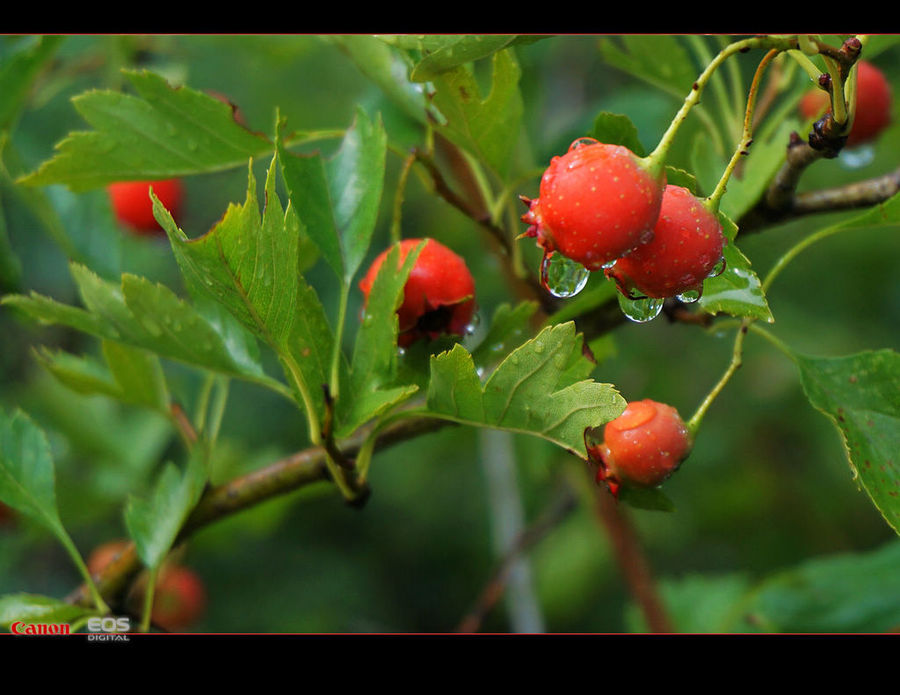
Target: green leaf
x,y
846,593
17,73
507,331
154,523
338,199
617,129
27,476
534,390
81,374
658,60
33,608
737,291
386,68
486,127
138,374
859,395
160,133
456,50
374,364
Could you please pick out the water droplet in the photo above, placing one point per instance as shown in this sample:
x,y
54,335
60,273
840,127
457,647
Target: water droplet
x,y
581,142
539,347
640,309
718,268
152,327
401,351
690,296
473,324
192,146
480,372
609,264
561,276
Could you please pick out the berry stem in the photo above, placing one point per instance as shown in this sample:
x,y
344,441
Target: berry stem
x,y
693,424
656,159
712,203
398,197
147,610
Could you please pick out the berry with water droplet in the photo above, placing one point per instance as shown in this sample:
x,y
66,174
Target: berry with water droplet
x,y
873,104
439,295
597,202
686,246
133,207
642,447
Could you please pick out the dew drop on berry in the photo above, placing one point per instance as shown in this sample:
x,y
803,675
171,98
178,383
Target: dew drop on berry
x,y
582,142
562,277
718,268
642,309
690,296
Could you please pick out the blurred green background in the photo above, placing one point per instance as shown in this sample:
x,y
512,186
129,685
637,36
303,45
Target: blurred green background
x,y
767,487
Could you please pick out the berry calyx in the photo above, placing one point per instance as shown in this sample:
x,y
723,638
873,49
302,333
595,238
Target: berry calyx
x,y
597,202
133,207
438,297
686,247
873,104
642,447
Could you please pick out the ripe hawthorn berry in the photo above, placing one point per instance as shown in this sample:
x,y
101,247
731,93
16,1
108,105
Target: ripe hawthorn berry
x,y
642,447
597,202
439,295
686,247
103,554
133,207
873,104
179,600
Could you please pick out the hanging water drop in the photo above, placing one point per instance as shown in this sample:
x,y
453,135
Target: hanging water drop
x,y
857,157
561,276
473,324
641,309
581,142
690,296
718,268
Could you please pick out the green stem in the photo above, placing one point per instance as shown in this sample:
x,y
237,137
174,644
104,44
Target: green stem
x,y
398,197
203,402
334,380
808,66
693,424
312,418
781,345
656,159
147,612
218,409
67,543
729,115
792,253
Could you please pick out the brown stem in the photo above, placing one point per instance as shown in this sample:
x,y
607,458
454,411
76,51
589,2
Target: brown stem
x,y
632,561
496,585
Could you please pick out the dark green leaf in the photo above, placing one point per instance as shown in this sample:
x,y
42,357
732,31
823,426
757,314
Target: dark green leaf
x,y
487,127
17,73
860,395
617,129
161,133
456,50
658,60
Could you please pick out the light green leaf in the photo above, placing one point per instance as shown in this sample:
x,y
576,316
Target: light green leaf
x,y
860,394
160,133
337,199
138,374
486,127
27,476
533,390
154,523
737,291
33,608
456,50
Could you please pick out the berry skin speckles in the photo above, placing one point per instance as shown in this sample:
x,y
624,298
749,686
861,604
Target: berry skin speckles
x,y
597,202
133,207
686,247
642,447
439,295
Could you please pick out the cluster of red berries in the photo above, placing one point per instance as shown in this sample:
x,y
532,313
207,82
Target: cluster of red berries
x,y
438,297
179,598
600,206
642,447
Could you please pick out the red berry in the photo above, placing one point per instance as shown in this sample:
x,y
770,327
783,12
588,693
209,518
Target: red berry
x,y
873,104
439,296
179,599
642,447
102,555
133,207
596,203
686,246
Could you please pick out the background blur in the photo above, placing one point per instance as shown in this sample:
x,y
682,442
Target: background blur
x,y
767,487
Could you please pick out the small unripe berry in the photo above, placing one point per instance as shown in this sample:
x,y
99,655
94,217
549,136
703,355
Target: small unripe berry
x,y
873,104
642,447
439,295
597,202
686,247
133,206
